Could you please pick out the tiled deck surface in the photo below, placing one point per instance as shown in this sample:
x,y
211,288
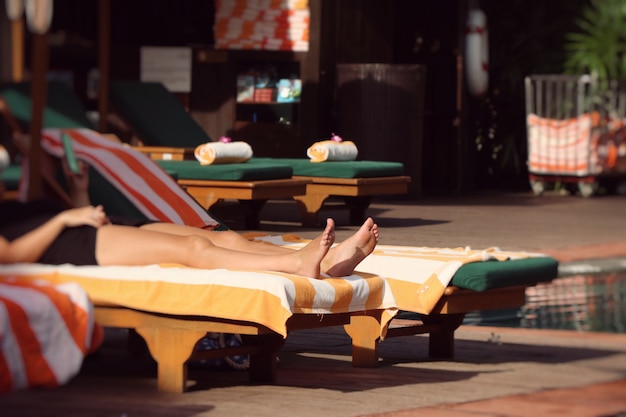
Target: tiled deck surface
x,y
496,371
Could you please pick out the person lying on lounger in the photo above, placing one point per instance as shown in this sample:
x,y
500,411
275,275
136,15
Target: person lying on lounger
x,y
45,232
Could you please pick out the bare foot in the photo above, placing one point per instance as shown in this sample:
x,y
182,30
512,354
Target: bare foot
x,y
312,254
342,259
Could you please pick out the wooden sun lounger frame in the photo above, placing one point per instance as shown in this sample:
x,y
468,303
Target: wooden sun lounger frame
x,y
171,339
357,193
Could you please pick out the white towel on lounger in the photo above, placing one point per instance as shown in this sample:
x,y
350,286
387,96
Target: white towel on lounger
x,y
330,150
223,152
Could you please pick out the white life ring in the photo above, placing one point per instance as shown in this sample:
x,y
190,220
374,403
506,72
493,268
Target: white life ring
x,y
476,52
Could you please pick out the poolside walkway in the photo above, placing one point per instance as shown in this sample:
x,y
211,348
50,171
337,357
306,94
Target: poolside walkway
x,y
496,371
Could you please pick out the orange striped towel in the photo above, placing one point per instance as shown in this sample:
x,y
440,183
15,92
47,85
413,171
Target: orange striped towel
x,y
136,176
45,332
418,276
266,298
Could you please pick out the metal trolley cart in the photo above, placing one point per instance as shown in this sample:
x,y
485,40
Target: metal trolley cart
x,y
576,129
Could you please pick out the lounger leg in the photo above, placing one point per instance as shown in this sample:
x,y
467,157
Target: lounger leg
x,y
309,205
358,207
441,341
263,361
253,211
171,348
365,332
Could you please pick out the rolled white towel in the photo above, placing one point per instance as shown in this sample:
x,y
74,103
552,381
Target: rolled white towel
x,y
334,149
223,152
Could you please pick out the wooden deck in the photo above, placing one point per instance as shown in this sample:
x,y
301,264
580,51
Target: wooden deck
x,y
314,375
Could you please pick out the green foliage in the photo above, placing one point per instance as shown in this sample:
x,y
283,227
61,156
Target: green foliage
x,y
598,46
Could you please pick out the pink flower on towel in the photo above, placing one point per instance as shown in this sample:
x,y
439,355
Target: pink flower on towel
x,y
335,138
225,139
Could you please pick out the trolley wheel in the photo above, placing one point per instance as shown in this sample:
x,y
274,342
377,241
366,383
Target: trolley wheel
x,y
538,186
588,189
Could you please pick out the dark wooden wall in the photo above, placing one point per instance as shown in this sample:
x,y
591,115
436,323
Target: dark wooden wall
x,y
347,31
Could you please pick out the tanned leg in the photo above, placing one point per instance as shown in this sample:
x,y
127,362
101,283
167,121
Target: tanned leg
x,y
121,245
340,261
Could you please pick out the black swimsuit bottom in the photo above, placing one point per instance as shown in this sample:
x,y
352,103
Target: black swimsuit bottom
x,y
75,245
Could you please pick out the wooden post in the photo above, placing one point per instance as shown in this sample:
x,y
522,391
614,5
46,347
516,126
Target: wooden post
x,y
39,92
17,49
104,59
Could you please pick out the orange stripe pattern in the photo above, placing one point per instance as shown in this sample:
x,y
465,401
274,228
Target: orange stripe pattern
x,y
266,298
417,276
45,332
155,193
262,24
579,146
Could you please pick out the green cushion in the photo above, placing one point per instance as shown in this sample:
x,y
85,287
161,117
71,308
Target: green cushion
x,y
339,169
248,171
11,177
482,276
63,108
156,115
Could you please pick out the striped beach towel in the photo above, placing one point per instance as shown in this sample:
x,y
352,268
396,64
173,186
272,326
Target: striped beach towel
x,y
45,331
267,298
417,276
135,175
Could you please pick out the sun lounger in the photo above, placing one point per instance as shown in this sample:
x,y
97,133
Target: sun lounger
x,y
162,125
357,182
442,285
173,307
251,184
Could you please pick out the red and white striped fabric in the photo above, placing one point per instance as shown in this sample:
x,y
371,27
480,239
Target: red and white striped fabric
x,y
580,146
262,24
136,176
561,146
45,332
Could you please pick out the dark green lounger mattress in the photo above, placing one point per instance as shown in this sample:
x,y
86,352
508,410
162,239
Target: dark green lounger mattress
x,y
249,171
489,275
338,169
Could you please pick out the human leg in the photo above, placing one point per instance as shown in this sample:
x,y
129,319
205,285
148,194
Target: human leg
x,y
340,260
226,238
121,245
